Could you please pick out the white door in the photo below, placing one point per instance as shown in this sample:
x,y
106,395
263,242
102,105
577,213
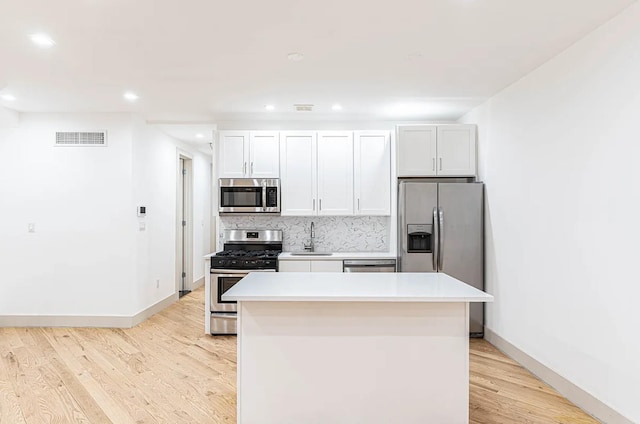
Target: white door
x,y
298,171
233,154
372,173
457,150
335,173
264,154
417,150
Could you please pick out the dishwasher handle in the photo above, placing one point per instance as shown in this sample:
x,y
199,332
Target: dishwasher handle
x,y
369,265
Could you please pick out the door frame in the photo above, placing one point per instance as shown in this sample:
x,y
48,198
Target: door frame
x,y
188,213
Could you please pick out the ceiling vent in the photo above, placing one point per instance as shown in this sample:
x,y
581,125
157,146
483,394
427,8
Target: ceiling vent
x,y
303,108
81,138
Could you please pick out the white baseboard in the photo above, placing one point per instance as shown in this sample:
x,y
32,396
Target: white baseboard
x,y
153,309
86,321
575,394
64,321
197,283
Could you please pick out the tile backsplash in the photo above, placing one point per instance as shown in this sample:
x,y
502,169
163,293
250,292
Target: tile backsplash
x,y
333,233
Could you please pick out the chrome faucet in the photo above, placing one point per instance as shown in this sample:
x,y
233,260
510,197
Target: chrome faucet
x,y
312,235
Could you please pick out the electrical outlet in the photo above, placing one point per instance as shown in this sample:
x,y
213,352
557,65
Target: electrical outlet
x,y
31,227
157,284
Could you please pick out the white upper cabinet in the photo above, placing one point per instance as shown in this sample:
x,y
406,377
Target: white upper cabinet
x,y
249,154
436,150
264,154
417,150
298,166
456,150
372,173
335,173
231,153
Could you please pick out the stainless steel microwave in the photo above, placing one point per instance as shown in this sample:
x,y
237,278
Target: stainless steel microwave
x,y
249,195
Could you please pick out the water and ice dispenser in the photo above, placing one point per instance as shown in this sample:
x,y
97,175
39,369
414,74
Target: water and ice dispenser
x,y
419,238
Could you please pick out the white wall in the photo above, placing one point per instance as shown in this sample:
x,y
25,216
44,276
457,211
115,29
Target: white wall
x,y
81,258
155,186
87,256
559,154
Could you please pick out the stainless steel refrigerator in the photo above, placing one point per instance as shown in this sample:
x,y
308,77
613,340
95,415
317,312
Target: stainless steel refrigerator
x,y
440,229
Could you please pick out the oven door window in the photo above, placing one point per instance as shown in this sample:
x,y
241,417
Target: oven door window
x,y
224,284
237,197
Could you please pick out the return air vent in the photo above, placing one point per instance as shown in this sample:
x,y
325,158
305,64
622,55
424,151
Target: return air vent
x,y
303,108
79,138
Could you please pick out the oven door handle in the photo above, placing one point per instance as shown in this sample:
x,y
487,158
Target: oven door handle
x,y
237,272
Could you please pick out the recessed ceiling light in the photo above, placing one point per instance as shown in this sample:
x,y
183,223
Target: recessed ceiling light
x,y
199,135
336,107
130,96
295,56
269,107
8,97
42,40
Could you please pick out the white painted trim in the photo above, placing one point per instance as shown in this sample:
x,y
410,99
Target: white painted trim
x,y
575,394
188,243
86,321
153,309
65,321
199,282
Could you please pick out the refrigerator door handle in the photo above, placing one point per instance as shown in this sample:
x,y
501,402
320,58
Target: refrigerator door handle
x,y
403,225
441,239
436,241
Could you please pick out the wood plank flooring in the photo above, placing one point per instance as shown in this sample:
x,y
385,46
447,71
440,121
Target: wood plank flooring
x,y
167,371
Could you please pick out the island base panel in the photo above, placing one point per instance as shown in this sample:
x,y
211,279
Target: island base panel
x,y
353,362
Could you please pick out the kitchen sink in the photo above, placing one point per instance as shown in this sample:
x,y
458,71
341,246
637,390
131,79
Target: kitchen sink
x,y
311,253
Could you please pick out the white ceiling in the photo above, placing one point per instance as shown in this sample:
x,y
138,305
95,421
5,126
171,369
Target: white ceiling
x,y
210,60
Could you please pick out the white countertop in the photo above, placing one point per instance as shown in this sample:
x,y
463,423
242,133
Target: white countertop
x,y
353,287
337,256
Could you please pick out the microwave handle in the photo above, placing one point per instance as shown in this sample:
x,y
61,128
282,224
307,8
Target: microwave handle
x,y
264,197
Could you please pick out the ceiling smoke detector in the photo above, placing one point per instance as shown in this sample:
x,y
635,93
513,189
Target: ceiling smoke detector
x,y
295,57
303,108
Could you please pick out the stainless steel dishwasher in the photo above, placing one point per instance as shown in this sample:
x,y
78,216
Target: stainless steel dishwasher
x,y
369,265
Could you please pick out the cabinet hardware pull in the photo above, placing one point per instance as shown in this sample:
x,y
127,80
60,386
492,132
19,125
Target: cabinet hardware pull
x,y
314,204
320,204
358,203
244,168
441,164
251,168
433,164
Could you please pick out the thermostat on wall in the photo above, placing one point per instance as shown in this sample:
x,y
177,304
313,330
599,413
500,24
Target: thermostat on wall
x,y
142,210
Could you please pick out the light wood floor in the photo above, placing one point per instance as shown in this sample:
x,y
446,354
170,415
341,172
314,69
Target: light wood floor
x,y
167,371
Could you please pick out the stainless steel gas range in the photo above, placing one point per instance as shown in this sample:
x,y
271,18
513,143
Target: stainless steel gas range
x,y
244,251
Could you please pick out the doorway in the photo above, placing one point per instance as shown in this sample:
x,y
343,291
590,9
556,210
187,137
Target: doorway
x,y
184,251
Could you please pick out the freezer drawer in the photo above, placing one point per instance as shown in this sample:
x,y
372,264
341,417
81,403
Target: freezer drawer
x,y
369,265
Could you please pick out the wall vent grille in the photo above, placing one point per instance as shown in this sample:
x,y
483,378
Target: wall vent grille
x,y
303,108
81,138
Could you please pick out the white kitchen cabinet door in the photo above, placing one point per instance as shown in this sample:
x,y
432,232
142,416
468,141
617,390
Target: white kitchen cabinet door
x,y
326,266
294,266
335,173
372,173
233,147
298,170
417,150
456,150
264,154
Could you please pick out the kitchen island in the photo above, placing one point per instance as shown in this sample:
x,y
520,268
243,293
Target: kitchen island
x,y
353,348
